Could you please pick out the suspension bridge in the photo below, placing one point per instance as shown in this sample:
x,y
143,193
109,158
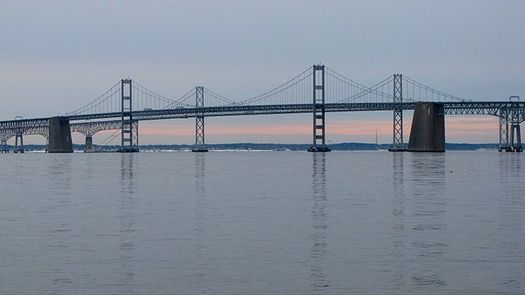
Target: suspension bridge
x,y
317,90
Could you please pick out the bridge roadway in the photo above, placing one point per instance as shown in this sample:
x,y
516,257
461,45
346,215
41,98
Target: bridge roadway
x,y
450,108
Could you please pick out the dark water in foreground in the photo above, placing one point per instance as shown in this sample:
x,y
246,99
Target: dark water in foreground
x,y
263,223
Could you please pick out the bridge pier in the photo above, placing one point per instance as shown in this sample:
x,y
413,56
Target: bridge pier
x,y
509,130
319,128
88,145
19,143
515,132
428,128
515,135
4,148
59,135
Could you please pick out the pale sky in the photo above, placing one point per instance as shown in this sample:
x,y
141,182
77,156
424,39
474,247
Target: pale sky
x,y
56,56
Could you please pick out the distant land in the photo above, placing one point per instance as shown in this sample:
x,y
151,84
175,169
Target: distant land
x,y
347,146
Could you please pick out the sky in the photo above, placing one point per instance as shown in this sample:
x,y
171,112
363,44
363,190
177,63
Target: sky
x,y
56,56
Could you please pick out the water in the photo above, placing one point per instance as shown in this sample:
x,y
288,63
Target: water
x,y
262,223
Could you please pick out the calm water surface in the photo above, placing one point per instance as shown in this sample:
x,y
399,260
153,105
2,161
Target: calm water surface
x,y
263,223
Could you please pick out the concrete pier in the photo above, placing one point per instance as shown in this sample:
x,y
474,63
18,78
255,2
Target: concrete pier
x,y
4,148
319,148
428,128
59,135
516,138
88,146
199,148
19,143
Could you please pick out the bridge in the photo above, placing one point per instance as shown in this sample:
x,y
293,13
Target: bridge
x,y
318,90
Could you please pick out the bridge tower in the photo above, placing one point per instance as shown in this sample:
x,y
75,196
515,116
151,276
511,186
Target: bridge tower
x,y
397,142
129,130
318,110
200,144
504,143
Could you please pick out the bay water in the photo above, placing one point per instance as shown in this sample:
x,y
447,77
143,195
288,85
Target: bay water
x,y
262,223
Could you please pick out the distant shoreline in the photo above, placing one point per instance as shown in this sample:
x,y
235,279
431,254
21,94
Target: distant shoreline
x,y
350,146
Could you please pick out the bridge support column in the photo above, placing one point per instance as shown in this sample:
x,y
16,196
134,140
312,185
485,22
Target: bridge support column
x,y
200,144
319,130
428,128
59,135
88,146
3,146
19,143
515,132
517,146
397,139
129,134
504,143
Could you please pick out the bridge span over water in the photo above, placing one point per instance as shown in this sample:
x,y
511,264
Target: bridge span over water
x,y
317,90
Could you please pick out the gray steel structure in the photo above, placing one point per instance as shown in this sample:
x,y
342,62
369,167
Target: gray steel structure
x,y
515,133
200,144
504,143
318,111
88,129
449,108
129,134
397,130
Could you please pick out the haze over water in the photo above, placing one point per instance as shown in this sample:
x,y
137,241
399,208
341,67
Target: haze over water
x,y
262,223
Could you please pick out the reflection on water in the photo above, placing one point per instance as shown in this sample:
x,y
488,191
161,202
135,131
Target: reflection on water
x,y
263,223
398,220
511,218
429,206
318,253
200,172
199,221
126,172
60,227
510,168
127,227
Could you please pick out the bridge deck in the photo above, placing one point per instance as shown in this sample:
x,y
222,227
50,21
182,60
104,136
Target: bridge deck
x,y
450,108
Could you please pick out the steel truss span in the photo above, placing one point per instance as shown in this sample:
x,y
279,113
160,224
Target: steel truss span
x,y
450,108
